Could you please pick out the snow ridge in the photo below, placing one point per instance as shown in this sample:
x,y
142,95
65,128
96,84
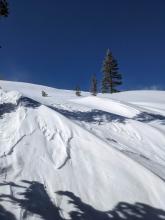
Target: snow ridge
x,y
99,152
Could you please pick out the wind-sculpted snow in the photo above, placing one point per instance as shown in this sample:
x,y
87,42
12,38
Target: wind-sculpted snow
x,y
12,116
9,97
57,134
68,157
109,105
22,119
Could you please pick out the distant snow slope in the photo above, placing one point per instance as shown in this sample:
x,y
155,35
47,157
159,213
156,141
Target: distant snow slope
x,y
68,157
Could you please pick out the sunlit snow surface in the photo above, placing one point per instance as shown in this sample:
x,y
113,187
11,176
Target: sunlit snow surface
x,y
68,157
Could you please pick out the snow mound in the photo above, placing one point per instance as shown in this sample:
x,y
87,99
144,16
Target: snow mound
x,y
59,158
109,105
9,97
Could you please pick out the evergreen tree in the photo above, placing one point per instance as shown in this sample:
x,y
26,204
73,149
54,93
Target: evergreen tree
x,y
94,85
4,10
78,92
111,76
105,84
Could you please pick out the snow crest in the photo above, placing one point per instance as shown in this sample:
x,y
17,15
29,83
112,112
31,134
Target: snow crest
x,y
66,152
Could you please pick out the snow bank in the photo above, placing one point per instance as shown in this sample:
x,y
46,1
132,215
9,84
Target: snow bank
x,y
109,105
9,97
47,157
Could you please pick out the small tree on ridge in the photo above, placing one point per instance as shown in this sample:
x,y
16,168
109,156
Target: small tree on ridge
x,y
78,91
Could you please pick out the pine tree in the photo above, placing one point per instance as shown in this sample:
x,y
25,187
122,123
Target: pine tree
x,y
94,85
105,84
78,91
111,76
4,10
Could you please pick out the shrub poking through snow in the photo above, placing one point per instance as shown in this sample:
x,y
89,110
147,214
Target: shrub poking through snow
x,y
44,94
78,92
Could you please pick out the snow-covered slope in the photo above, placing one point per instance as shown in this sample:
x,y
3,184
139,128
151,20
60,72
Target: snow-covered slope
x,y
68,157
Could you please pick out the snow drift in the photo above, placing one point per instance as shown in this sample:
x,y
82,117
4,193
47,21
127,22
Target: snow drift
x,y
63,157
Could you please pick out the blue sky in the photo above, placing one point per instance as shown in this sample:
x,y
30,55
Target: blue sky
x,y
61,43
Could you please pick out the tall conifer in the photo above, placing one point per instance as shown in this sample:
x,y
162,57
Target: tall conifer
x,y
111,76
4,10
94,85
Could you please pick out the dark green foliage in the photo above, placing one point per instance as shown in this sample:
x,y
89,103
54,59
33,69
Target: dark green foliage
x,y
78,92
4,10
94,85
105,84
44,94
111,76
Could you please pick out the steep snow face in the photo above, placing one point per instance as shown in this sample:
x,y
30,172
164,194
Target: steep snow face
x,y
83,155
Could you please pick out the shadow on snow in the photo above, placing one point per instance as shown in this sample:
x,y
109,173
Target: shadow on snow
x,y
23,101
94,116
35,200
6,215
98,116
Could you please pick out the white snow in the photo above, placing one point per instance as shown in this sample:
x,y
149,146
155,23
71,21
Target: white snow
x,y
109,105
9,97
106,150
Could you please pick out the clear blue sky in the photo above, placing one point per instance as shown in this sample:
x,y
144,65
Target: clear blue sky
x,y
61,43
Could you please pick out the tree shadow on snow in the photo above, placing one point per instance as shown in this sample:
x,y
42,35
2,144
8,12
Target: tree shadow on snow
x,y
149,117
6,215
27,102
35,200
23,101
122,211
98,116
7,108
93,116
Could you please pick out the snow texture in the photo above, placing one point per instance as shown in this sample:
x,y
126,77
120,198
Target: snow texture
x,y
91,158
